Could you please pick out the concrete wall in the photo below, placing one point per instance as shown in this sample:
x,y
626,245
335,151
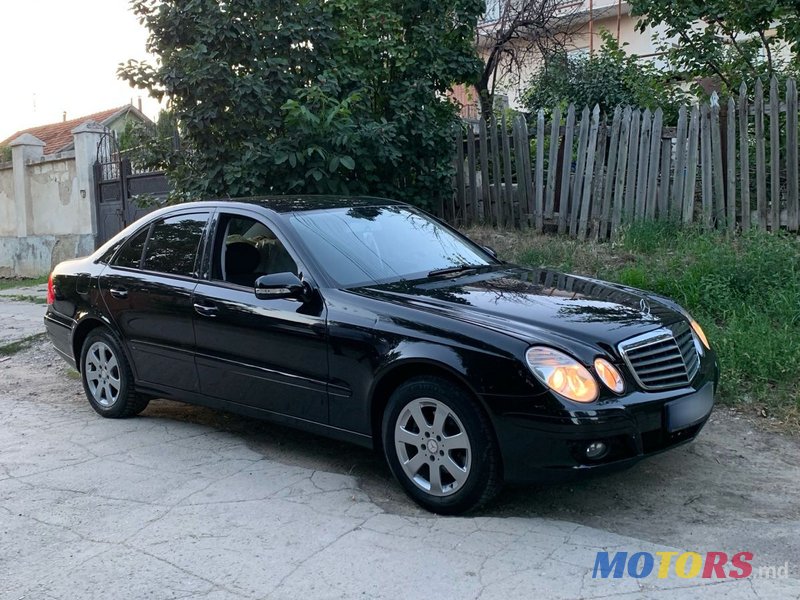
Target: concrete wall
x,y
8,217
47,204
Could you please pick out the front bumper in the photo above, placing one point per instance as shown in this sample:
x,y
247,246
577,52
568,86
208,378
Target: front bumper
x,y
549,448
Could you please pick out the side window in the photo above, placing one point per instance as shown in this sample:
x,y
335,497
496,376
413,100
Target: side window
x,y
131,253
246,249
173,244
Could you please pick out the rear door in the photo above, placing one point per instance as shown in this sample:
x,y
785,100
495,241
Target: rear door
x,y
266,354
148,292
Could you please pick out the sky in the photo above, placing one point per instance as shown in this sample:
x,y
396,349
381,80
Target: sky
x,y
62,55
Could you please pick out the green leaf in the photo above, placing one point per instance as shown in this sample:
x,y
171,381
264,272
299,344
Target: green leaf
x,y
348,162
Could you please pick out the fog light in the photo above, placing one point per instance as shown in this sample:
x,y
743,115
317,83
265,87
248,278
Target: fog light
x,y
596,450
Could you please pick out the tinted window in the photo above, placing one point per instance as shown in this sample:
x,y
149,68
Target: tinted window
x,y
131,253
172,246
247,249
373,244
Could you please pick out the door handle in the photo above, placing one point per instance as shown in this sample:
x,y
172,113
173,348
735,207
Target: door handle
x,y
120,293
205,310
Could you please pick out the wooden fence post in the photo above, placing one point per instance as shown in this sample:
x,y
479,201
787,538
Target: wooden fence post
x,y
619,179
744,156
580,167
633,155
552,163
470,214
792,201
605,216
680,166
588,178
497,193
566,170
691,166
761,167
655,163
460,185
538,206
717,176
521,149
730,174
485,182
775,154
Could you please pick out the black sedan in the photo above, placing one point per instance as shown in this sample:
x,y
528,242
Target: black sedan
x,y
369,321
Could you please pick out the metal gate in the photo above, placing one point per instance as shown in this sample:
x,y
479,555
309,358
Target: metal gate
x,y
117,188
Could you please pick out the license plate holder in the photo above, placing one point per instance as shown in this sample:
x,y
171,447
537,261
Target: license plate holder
x,y
690,410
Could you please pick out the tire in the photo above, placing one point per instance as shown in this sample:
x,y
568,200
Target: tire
x,y
107,377
469,468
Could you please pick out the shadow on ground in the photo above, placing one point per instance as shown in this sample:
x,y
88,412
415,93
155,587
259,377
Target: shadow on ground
x,y
735,488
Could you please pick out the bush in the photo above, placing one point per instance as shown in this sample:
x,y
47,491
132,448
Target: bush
x,y
610,78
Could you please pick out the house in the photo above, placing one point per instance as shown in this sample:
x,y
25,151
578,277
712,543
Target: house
x,y
585,18
48,209
57,137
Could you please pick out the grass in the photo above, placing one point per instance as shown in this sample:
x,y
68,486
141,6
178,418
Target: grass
x,y
26,298
13,348
6,284
744,291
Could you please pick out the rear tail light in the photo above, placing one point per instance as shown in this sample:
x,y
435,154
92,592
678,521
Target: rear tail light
x,y
51,292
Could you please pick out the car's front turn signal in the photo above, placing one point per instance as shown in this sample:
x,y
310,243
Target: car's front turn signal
x,y
609,375
699,333
562,374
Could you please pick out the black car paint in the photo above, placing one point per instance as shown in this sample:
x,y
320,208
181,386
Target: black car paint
x,y
327,363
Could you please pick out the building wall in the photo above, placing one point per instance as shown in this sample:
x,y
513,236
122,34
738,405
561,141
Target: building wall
x,y
47,204
8,215
58,208
610,15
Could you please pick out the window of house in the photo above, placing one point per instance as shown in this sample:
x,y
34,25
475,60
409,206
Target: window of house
x,y
492,12
173,244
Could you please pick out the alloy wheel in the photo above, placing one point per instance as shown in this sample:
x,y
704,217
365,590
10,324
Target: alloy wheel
x,y
103,374
433,447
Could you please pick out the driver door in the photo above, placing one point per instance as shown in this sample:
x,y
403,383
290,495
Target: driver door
x,y
266,354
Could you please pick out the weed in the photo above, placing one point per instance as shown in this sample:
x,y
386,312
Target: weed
x,y
745,292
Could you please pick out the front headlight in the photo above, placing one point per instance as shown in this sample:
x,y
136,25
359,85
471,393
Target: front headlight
x,y
562,374
699,332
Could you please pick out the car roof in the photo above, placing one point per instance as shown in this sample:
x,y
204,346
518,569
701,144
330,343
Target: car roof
x,y
298,203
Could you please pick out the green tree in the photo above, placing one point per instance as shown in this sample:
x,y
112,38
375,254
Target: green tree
x,y
728,40
610,77
275,96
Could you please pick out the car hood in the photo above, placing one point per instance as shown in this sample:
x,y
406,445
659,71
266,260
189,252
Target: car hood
x,y
535,304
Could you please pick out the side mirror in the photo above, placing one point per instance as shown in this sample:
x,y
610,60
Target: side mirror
x,y
491,251
280,285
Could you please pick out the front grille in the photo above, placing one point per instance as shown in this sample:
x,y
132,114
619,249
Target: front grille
x,y
663,359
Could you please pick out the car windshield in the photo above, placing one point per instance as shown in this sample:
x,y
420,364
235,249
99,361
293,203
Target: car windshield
x,y
378,244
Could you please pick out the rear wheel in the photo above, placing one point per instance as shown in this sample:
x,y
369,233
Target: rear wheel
x,y
440,446
107,377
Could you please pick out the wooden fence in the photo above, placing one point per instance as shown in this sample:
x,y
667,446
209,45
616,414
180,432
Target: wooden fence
x,y
728,165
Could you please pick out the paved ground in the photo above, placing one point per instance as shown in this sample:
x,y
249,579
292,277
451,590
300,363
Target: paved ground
x,y
183,502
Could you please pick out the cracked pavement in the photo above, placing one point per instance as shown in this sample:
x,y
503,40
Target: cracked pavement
x,y
185,502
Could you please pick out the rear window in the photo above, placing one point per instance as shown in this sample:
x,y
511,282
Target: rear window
x,y
131,253
173,244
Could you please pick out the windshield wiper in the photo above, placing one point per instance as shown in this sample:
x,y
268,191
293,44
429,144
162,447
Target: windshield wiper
x,y
456,269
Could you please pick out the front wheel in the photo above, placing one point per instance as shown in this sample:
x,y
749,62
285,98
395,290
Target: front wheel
x,y
107,377
440,446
